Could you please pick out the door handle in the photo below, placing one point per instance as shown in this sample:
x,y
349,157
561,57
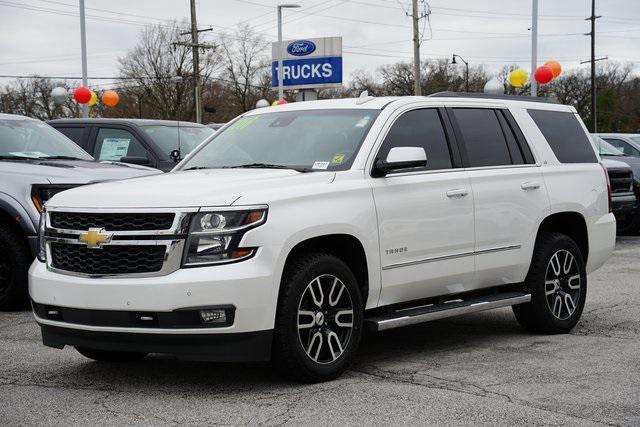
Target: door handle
x,y
531,185
460,192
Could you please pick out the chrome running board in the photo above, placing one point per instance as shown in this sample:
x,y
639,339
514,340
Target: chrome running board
x,y
455,307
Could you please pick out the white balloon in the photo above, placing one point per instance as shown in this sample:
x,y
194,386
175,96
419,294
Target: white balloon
x,y
262,103
59,95
494,86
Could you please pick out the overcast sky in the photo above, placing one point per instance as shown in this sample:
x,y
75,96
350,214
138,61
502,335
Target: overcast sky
x,y
42,36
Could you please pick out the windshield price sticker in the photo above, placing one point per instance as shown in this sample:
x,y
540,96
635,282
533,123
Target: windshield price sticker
x,y
320,165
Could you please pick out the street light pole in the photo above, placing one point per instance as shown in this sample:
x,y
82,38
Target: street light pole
x,y
466,64
280,47
83,47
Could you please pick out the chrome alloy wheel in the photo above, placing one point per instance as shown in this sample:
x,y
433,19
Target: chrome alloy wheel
x,y
325,319
562,284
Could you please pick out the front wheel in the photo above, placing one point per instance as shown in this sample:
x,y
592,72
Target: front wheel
x,y
557,281
109,356
319,319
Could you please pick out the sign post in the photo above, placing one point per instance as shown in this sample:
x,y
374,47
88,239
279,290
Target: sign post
x,y
307,65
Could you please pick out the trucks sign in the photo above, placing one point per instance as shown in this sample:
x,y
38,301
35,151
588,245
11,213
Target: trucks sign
x,y
309,63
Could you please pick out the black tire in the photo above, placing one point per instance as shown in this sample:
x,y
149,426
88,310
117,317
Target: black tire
x,y
629,225
539,315
15,259
109,356
289,354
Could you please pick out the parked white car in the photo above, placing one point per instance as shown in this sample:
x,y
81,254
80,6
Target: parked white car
x,y
297,226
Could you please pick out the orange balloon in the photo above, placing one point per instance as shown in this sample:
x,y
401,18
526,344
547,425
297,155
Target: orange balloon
x,y
555,66
110,98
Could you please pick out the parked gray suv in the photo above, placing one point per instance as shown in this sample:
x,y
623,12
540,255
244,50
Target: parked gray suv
x,y
37,162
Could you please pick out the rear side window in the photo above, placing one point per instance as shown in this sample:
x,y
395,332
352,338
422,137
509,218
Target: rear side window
x,y
483,137
73,133
565,136
420,128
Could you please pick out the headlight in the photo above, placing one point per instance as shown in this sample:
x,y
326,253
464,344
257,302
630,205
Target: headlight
x,y
40,193
42,247
214,236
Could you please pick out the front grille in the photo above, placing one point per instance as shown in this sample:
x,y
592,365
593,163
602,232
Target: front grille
x,y
111,259
621,181
112,221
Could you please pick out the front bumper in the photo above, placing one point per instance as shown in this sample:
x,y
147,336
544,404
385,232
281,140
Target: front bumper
x,y
249,287
623,204
241,347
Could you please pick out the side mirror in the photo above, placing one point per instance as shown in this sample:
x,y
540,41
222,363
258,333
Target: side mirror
x,y
400,158
135,160
175,155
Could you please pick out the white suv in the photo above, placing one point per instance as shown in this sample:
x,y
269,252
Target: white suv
x,y
296,227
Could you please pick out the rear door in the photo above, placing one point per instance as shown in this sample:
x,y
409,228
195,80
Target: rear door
x,y
509,192
425,215
77,133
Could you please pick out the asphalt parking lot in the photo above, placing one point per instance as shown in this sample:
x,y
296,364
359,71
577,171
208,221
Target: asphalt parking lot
x,y
480,368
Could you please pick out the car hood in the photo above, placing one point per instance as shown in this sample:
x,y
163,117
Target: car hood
x,y
633,162
71,171
611,164
212,187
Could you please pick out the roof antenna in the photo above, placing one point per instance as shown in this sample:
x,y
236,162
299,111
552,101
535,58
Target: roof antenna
x,y
176,155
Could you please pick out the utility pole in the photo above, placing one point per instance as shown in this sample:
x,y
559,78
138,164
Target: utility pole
x,y
84,108
534,46
417,90
592,18
196,62
195,45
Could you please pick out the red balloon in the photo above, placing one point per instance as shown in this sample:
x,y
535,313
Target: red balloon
x,y
82,95
543,74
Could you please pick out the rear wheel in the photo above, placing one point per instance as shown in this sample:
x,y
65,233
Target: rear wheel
x,y
319,319
557,281
109,356
15,259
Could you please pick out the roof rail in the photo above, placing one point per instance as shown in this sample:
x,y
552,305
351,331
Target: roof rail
x,y
449,94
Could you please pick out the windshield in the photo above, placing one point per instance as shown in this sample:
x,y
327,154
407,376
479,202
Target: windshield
x,y
635,139
604,148
166,137
312,139
35,139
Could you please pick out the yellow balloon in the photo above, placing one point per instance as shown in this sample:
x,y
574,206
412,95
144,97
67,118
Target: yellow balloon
x,y
518,77
93,100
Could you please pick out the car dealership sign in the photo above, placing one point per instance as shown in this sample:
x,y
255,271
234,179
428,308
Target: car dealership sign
x,y
308,63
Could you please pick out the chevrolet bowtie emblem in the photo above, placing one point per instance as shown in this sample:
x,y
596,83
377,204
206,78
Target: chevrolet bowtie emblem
x,y
95,238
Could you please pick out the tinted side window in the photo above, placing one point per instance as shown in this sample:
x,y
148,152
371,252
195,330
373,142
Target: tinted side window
x,y
482,136
565,135
114,144
74,133
420,128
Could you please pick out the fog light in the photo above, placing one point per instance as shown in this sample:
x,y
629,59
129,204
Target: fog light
x,y
214,316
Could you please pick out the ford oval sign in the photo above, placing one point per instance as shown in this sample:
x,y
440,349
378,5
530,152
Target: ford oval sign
x,y
301,48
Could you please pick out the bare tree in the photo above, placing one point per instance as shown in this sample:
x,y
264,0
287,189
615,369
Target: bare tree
x,y
245,67
158,73
32,97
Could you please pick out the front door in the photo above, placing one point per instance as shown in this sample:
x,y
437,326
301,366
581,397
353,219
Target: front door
x,y
425,216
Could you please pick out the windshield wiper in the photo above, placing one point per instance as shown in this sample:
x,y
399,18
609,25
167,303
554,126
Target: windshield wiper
x,y
269,166
193,168
2,157
61,158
